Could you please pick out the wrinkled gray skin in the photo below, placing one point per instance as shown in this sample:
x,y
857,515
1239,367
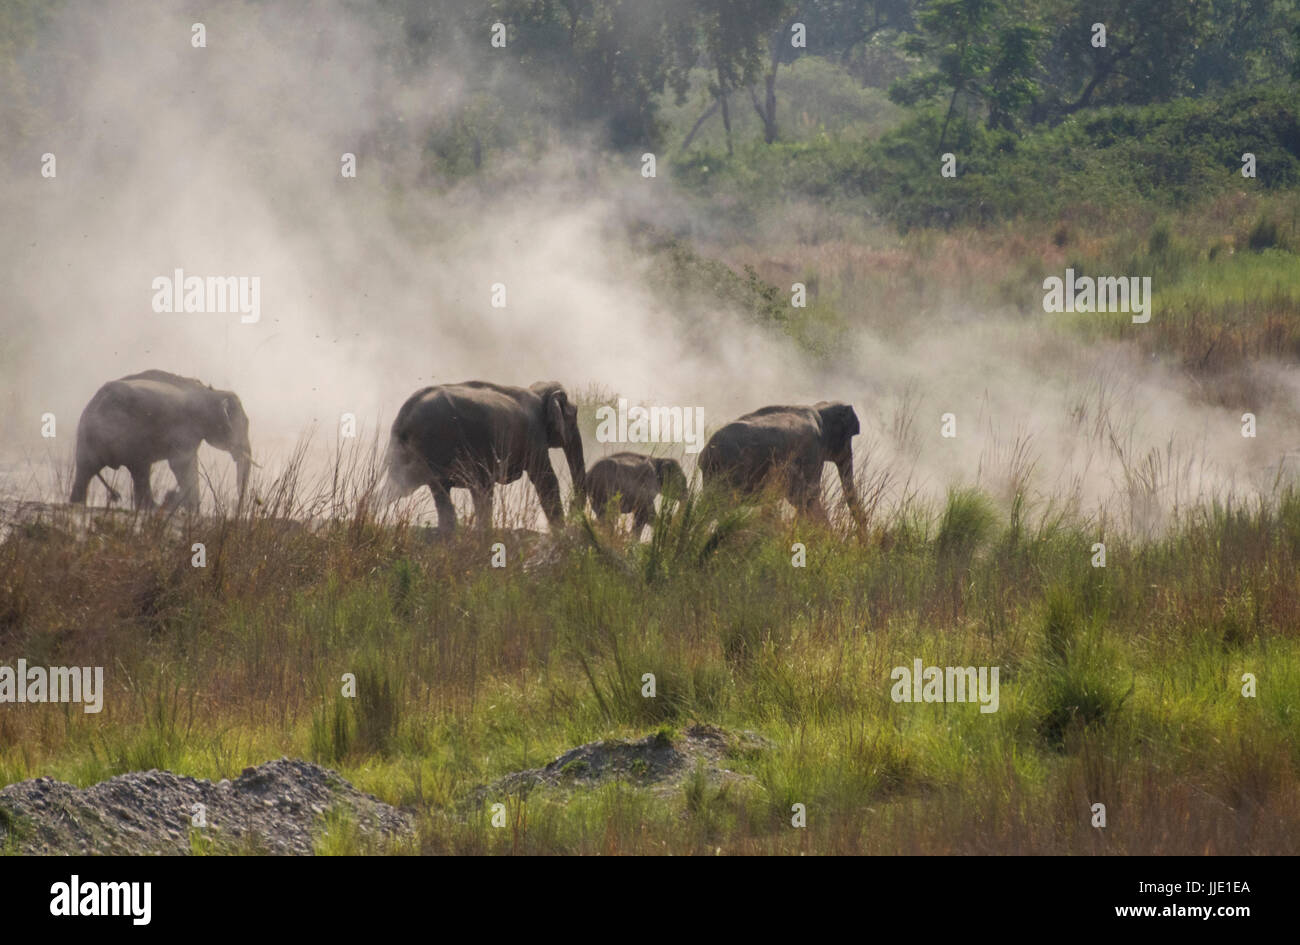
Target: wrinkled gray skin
x,y
153,416
785,448
476,435
635,479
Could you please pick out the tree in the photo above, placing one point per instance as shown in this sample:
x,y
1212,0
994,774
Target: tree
x,y
1156,50
979,55
833,28
1149,44
735,32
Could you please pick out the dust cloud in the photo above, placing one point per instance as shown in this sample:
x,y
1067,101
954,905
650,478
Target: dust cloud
x,y
225,161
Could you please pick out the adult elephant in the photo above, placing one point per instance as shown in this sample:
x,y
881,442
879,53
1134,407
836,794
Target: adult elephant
x,y
785,448
476,435
635,480
145,418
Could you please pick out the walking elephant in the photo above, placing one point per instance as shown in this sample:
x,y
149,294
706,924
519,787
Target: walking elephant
x,y
476,435
785,448
144,418
634,479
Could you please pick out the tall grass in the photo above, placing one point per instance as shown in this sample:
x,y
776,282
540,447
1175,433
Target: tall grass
x,y
1120,683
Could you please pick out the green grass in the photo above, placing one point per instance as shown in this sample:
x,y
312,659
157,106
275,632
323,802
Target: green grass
x,y
1219,307
1128,676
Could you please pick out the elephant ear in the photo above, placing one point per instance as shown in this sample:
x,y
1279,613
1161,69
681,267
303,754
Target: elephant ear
x,y
229,421
553,407
230,411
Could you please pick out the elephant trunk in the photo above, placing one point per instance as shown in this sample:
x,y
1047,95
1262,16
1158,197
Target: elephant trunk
x,y
845,466
577,468
242,453
243,467
672,481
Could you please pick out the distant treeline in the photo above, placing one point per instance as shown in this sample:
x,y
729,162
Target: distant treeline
x,y
1165,155
1043,102
1030,86
1009,64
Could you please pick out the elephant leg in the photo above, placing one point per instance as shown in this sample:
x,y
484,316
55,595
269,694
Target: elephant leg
x,y
643,515
186,471
605,504
548,493
807,500
81,482
141,491
483,508
446,510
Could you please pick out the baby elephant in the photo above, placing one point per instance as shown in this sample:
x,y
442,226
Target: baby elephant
x,y
636,479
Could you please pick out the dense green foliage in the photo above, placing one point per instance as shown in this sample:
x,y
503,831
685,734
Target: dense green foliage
x,y
774,98
1166,155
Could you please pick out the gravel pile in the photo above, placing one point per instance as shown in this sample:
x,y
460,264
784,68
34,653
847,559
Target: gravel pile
x,y
274,808
661,762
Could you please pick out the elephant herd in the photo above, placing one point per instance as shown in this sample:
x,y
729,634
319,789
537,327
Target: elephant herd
x,y
474,436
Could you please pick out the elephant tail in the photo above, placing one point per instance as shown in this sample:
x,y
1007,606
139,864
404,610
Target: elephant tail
x,y
113,494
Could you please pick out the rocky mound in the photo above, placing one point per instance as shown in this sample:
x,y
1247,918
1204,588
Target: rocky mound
x,y
274,808
661,761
